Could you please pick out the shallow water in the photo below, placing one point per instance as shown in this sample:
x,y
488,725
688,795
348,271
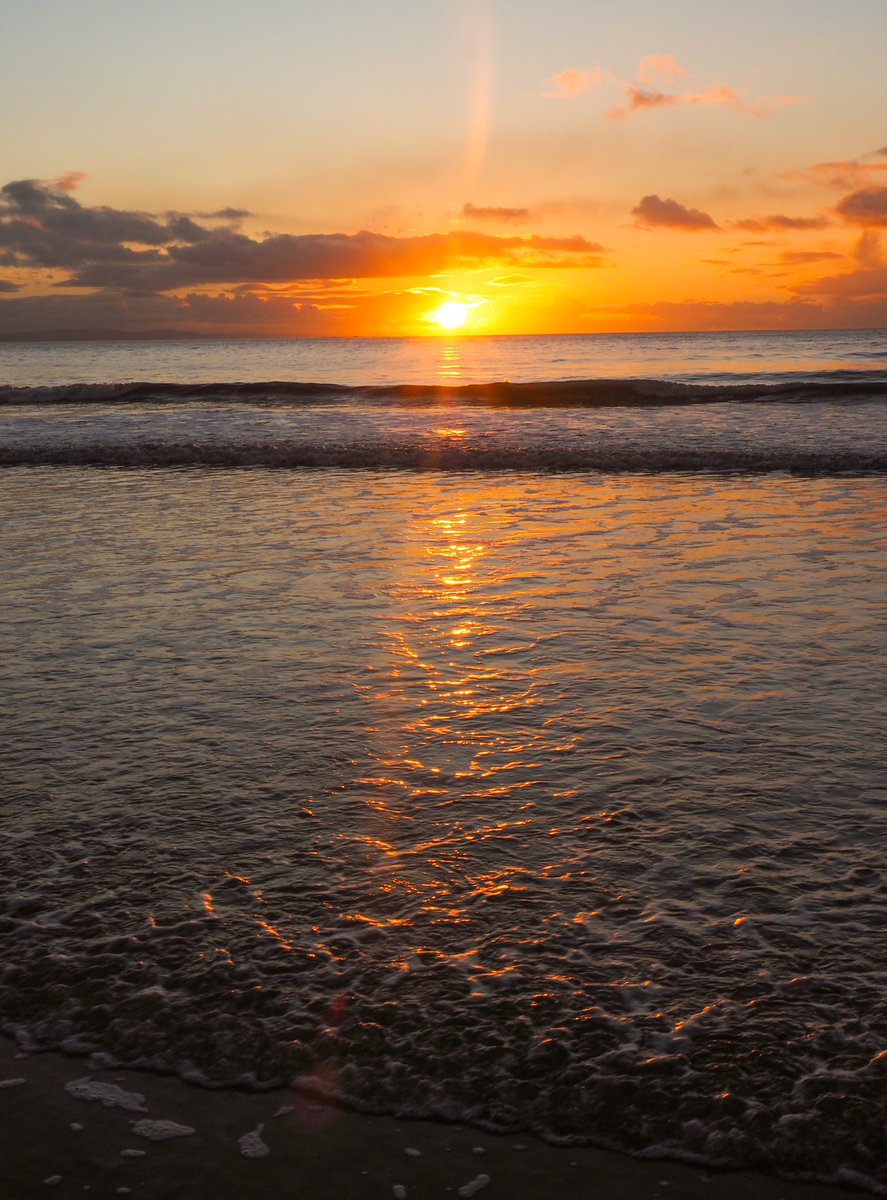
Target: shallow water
x,y
541,800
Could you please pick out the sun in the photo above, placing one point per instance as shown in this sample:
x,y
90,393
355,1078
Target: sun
x,y
451,315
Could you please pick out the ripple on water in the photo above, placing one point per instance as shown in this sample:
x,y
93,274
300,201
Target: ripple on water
x,y
548,802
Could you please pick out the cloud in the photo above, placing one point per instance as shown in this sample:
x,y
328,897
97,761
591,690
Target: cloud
x,y
558,209
101,247
69,181
867,283
570,83
865,207
227,315
839,174
639,98
646,91
801,257
228,257
223,214
42,225
778,223
512,216
660,66
6,285
712,316
867,250
656,213
722,96
510,280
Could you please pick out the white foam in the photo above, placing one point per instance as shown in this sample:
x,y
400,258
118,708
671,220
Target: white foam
x,y
400,1192
283,1110
251,1144
133,1153
474,1186
8,1083
53,1180
413,1152
76,1127
161,1131
107,1094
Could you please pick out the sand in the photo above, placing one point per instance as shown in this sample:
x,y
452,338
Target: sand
x,y
156,1138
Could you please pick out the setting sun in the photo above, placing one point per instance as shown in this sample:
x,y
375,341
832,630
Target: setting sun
x,y
451,315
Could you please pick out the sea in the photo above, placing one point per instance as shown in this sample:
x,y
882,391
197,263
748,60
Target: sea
x,y
488,730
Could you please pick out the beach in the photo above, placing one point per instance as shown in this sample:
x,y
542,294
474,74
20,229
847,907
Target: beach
x,y
315,1151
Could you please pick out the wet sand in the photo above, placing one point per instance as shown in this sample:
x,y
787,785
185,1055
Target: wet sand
x,y
314,1151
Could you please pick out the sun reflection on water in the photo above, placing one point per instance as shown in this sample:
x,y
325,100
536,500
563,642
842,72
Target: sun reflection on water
x,y
449,368
455,734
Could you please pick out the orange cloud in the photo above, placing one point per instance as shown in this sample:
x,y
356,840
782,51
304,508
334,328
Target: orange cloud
x,y
802,257
660,66
655,213
570,83
69,181
778,223
865,207
645,91
843,173
639,99
867,250
716,97
711,315
868,283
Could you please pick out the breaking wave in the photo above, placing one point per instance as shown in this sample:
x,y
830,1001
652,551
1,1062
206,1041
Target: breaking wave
x,y
559,393
418,455
804,424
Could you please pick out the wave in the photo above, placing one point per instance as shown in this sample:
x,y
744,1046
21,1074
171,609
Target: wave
x,y
417,456
556,393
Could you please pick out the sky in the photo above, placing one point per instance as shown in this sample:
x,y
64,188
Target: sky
x,y
294,168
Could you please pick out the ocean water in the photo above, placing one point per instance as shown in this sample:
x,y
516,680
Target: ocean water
x,y
510,754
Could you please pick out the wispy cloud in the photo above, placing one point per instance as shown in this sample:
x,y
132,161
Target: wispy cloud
x,y
656,67
655,213
511,280
70,181
692,314
868,283
639,99
505,216
779,223
647,91
800,258
841,174
868,251
571,82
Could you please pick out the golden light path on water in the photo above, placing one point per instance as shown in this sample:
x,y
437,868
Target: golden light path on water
x,y
456,719
528,800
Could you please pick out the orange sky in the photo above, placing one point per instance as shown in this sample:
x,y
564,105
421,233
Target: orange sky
x,y
288,171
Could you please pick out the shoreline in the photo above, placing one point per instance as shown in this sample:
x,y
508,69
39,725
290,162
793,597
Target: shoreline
x,y
56,1143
